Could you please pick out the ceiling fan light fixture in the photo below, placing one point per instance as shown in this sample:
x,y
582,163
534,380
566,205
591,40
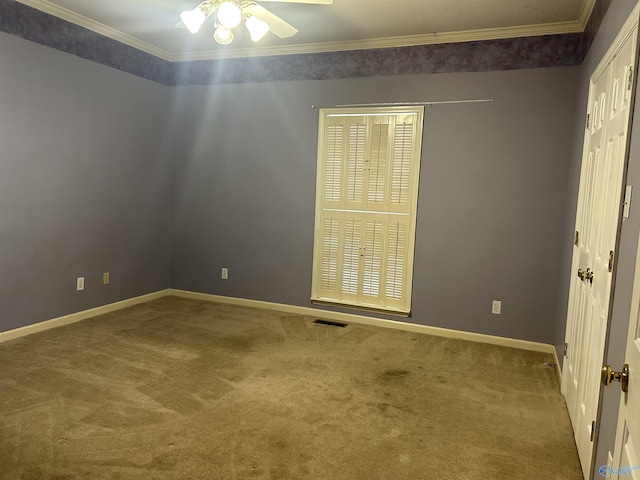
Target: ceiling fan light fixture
x,y
193,19
229,14
223,35
257,28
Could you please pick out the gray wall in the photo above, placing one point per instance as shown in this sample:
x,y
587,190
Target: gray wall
x,y
491,205
83,183
613,21
85,187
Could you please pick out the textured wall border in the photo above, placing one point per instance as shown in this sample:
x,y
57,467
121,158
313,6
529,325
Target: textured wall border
x,y
39,27
481,56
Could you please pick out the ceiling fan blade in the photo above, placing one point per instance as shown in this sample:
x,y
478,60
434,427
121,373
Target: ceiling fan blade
x,y
318,2
277,26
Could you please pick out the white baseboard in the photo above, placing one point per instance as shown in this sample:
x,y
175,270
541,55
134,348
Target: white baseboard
x,y
78,316
349,317
281,307
558,370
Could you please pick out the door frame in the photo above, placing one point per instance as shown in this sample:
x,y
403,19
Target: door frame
x,y
616,454
623,34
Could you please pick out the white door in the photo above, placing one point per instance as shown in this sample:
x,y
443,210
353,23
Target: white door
x,y
626,455
583,329
597,221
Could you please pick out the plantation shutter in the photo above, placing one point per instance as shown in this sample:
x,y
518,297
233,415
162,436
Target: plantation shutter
x,y
368,168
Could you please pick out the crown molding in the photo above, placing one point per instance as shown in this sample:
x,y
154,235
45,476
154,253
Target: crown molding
x,y
97,27
389,42
434,38
587,9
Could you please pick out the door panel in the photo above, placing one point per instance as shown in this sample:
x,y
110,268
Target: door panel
x,y
597,221
627,448
584,327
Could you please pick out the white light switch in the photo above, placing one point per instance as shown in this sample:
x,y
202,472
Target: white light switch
x,y
225,273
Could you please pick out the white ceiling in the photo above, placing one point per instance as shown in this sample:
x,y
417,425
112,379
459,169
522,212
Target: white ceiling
x,y
149,25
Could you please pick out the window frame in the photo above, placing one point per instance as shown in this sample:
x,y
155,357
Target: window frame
x,y
387,211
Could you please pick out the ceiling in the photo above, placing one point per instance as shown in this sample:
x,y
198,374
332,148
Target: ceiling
x,y
149,25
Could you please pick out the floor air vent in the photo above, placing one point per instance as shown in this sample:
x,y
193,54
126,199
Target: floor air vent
x,y
331,324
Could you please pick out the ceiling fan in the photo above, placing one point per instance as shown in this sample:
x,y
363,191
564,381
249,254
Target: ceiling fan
x,y
230,13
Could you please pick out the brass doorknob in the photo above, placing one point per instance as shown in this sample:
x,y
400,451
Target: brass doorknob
x,y
581,274
585,275
609,376
588,275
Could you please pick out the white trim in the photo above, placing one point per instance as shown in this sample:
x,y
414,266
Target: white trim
x,y
582,411
557,28
558,371
78,316
433,38
378,322
363,211
97,27
280,307
587,10
625,32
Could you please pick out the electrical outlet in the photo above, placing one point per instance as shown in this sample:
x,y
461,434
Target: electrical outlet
x,y
496,307
80,284
105,278
225,273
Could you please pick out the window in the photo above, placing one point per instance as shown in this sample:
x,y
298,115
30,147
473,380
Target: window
x,y
367,190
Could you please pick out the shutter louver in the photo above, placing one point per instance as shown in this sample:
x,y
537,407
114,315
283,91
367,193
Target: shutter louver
x,y
396,258
378,162
333,163
355,162
351,256
368,166
401,170
372,258
330,240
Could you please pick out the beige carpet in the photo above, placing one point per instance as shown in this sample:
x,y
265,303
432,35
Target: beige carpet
x,y
182,389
